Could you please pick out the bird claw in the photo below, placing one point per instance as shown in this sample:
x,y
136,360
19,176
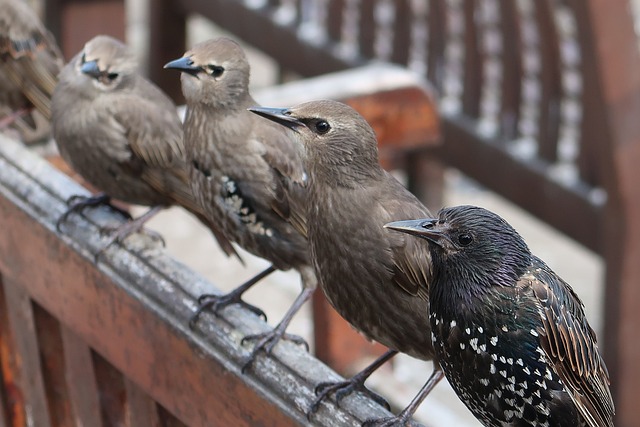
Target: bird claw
x,y
341,389
78,203
218,302
119,234
266,341
387,422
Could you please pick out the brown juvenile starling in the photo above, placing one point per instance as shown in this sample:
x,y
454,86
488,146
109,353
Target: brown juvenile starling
x,y
122,134
247,173
377,280
510,334
30,61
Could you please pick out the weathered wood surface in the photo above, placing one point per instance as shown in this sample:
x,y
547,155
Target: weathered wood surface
x,y
132,309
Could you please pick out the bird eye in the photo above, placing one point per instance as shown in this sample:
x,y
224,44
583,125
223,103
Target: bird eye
x,y
112,76
465,239
215,70
322,127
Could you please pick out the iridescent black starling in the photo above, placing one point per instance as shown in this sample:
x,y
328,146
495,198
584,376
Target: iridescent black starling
x,y
510,334
246,172
375,279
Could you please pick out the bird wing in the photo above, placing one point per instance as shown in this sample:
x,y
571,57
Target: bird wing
x,y
284,156
412,267
570,344
153,133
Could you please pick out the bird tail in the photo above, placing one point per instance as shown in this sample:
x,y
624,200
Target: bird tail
x,y
175,184
223,242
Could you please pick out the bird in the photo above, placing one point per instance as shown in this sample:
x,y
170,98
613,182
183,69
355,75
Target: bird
x,y
511,336
122,134
247,174
375,279
30,61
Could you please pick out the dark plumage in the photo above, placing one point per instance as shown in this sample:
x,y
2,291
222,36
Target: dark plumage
x,y
511,335
247,173
121,132
377,280
30,61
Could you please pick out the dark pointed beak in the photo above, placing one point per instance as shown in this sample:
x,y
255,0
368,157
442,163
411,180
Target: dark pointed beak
x,y
91,68
185,65
427,228
281,116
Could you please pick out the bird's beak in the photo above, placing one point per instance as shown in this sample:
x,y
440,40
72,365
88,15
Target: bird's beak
x,y
184,64
279,115
91,68
427,228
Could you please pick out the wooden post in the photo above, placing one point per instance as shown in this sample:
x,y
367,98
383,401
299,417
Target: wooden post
x,y
611,51
74,22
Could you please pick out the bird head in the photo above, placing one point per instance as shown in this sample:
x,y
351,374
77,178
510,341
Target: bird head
x,y
104,63
472,245
214,72
340,146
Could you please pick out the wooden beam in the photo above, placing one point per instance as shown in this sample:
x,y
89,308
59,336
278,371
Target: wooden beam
x,y
612,109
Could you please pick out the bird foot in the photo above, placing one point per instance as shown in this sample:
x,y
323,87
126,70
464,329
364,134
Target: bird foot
x,y
119,234
400,420
78,203
341,389
218,302
266,341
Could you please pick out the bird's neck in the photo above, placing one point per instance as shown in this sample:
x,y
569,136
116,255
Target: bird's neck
x,y
353,175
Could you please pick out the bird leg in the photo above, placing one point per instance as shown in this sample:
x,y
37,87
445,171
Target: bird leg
x,y
131,227
14,116
218,302
267,340
403,418
78,203
355,383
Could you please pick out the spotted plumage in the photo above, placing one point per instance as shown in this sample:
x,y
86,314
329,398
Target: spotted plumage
x,y
510,334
